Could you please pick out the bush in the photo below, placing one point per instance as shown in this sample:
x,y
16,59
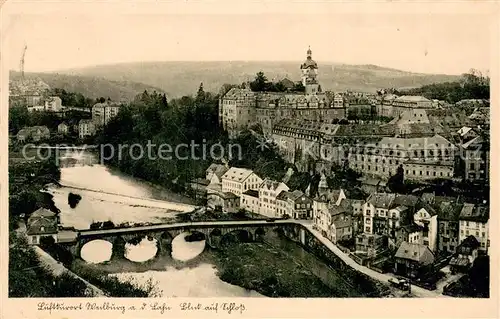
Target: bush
x,y
73,199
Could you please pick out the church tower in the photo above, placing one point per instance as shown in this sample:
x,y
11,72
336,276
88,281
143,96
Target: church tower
x,y
310,74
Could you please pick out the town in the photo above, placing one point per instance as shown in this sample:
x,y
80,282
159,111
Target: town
x,y
397,182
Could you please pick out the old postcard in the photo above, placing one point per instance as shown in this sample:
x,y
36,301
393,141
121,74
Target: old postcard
x,y
259,159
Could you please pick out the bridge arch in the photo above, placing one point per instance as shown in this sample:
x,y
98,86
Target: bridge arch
x,y
237,236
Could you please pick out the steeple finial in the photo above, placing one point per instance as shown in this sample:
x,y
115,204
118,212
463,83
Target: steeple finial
x,y
309,52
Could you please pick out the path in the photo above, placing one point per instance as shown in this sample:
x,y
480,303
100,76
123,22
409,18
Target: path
x,y
415,290
57,269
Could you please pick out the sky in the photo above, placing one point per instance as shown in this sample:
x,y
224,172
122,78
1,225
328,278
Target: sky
x,y
425,43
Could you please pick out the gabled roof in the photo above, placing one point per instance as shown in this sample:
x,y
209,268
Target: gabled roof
x,y
405,200
473,143
270,184
237,174
475,213
342,221
412,228
469,242
217,169
381,200
42,212
448,210
416,252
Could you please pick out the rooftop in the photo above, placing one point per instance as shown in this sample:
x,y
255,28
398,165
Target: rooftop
x,y
237,174
251,192
381,200
416,252
471,212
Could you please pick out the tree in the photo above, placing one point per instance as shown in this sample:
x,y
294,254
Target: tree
x,y
299,87
260,83
200,96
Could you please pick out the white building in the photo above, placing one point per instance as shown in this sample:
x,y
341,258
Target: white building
x,y
63,128
53,104
250,201
268,191
474,220
427,219
86,128
238,180
102,113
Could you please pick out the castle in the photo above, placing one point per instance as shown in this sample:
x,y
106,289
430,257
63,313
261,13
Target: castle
x,y
241,108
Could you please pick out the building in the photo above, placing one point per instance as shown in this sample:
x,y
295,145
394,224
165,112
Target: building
x,y
53,104
215,172
427,218
474,220
238,180
41,223
86,128
225,202
294,204
102,113
467,252
240,108
250,201
475,159
321,206
409,102
268,191
341,226
412,259
423,158
33,133
448,210
370,245
375,212
63,128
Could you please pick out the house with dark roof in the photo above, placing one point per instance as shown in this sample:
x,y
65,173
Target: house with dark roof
x,y
215,172
341,227
295,204
226,202
467,252
41,223
474,220
412,259
375,212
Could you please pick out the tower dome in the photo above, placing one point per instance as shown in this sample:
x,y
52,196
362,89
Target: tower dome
x,y
309,63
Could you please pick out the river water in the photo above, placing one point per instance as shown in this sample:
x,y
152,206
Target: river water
x,y
109,195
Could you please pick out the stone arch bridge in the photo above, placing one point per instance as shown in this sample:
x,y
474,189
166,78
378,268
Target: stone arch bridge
x,y
213,232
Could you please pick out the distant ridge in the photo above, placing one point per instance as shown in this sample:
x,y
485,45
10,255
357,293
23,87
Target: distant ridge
x,y
90,86
184,77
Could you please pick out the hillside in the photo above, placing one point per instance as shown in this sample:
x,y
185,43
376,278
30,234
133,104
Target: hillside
x,y
182,78
90,86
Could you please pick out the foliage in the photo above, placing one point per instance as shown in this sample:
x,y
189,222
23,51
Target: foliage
x,y
25,182
28,278
72,98
472,85
262,84
73,199
113,287
185,121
